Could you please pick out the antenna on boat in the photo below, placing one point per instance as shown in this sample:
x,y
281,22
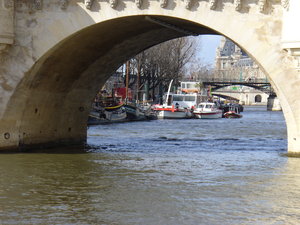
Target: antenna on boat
x,y
167,99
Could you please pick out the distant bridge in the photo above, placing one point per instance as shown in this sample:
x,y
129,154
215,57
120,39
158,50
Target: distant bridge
x,y
259,84
225,96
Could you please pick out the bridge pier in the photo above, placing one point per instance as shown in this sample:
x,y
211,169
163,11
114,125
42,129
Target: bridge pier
x,y
273,103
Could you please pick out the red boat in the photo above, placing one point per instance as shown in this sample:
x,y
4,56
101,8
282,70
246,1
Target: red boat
x,y
232,114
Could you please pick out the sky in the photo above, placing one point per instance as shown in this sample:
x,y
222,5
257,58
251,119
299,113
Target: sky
x,y
209,44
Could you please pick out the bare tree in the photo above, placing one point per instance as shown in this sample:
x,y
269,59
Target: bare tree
x,y
153,69
164,62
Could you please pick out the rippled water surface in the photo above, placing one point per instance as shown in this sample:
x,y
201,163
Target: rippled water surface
x,y
226,171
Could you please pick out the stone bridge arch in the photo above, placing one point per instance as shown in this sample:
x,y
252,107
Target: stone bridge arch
x,y
62,51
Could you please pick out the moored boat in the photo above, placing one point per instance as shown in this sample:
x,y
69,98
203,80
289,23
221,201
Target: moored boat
x,y
115,113
111,114
170,112
134,113
207,110
233,111
174,107
178,106
232,115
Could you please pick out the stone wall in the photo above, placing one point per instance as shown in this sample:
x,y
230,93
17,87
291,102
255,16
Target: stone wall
x,y
6,22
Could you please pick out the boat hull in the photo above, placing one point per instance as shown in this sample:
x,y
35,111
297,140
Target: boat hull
x,y
232,115
116,115
107,116
172,115
207,110
208,115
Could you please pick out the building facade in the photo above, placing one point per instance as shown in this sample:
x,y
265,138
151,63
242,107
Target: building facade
x,y
232,63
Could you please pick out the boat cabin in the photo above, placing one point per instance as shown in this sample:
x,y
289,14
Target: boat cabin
x,y
185,100
207,106
190,87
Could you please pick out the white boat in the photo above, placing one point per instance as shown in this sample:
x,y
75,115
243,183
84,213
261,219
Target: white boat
x,y
180,105
171,112
207,110
172,109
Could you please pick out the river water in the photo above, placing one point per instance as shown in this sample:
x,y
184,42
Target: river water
x,y
226,171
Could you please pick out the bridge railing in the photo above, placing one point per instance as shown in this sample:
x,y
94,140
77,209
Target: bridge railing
x,y
260,84
222,80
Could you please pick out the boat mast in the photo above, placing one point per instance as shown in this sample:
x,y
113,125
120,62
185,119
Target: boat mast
x,y
127,80
138,82
167,98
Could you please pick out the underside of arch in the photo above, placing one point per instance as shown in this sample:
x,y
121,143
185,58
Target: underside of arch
x,y
54,98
